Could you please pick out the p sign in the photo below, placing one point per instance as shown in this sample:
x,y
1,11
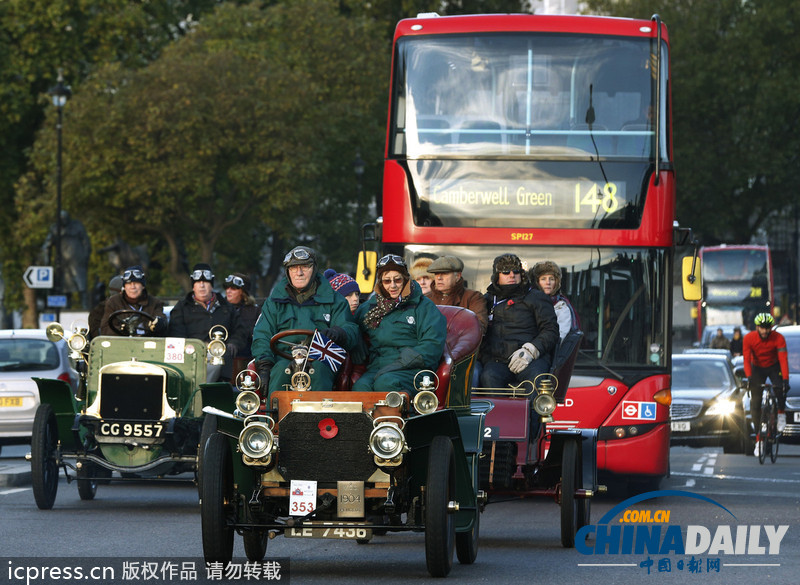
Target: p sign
x,y
39,277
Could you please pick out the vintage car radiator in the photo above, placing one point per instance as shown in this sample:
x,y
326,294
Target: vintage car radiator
x,y
326,447
131,396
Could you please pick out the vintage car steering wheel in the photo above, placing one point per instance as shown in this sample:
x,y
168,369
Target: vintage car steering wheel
x,y
277,340
126,321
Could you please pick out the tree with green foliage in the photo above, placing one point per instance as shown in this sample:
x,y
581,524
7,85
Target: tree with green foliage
x,y
238,132
736,105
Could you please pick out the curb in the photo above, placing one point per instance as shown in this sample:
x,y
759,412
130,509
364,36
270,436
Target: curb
x,y
15,475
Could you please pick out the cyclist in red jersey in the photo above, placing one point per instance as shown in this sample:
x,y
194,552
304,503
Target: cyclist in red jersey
x,y
765,357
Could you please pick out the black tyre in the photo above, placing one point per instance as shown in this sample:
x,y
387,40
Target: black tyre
x,y
762,434
209,428
87,488
255,544
216,492
467,542
440,526
44,467
570,505
773,434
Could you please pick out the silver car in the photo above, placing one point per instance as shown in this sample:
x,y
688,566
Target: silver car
x,y
24,354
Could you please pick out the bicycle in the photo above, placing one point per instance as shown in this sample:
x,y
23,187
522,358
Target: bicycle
x,y
768,426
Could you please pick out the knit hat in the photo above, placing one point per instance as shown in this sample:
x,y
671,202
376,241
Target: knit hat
x,y
238,280
134,274
420,267
341,283
546,267
202,271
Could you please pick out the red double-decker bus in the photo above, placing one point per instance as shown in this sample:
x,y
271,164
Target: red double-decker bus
x,y
550,137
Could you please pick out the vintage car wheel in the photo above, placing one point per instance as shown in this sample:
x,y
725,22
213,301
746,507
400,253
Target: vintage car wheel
x,y
216,492
125,322
440,526
467,542
87,488
44,468
574,511
255,544
209,428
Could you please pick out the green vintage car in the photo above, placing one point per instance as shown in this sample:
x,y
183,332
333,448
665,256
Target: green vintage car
x,y
332,463
138,411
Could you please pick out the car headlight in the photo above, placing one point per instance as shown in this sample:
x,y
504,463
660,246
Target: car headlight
x,y
425,402
544,404
256,440
77,342
216,348
721,408
387,441
248,402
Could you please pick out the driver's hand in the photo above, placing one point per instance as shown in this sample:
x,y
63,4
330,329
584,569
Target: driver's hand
x,y
263,368
152,324
336,334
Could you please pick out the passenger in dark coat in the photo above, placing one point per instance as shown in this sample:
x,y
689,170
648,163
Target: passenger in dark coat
x,y
134,297
237,293
523,329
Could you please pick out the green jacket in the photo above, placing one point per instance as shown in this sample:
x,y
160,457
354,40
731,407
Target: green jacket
x,y
280,312
410,337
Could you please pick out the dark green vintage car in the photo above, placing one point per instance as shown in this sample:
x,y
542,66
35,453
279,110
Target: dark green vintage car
x,y
138,412
349,465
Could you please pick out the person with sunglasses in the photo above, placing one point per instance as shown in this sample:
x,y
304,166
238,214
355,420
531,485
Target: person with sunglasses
x,y
134,297
405,330
523,329
237,293
200,310
302,299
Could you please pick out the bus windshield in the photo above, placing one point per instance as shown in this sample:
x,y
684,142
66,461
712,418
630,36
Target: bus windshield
x,y
615,291
525,94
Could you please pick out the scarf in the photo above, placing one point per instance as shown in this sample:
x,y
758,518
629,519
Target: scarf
x,y
383,306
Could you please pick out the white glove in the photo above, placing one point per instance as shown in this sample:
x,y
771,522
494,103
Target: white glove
x,y
520,359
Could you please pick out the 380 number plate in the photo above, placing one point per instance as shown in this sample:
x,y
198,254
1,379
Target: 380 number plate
x,y
131,429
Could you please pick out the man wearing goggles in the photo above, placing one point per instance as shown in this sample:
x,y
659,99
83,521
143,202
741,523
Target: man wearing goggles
x,y
201,309
302,299
134,297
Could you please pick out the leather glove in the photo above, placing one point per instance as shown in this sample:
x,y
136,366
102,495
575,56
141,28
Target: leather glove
x,y
232,350
520,359
263,368
336,334
785,387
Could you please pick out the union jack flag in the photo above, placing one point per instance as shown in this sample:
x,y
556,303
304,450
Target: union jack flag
x,y
325,350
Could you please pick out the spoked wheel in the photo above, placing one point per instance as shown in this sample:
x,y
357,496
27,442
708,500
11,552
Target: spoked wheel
x,y
216,492
575,512
773,435
255,544
87,487
440,526
44,468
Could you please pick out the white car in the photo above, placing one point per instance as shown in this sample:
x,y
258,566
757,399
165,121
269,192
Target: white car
x,y
24,354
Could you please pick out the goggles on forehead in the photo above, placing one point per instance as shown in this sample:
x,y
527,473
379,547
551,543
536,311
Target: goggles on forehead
x,y
202,275
391,258
232,280
298,254
128,275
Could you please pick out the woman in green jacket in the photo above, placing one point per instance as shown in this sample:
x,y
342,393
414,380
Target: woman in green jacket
x,y
405,330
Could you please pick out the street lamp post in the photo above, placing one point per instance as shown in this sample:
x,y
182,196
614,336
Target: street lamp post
x,y
59,93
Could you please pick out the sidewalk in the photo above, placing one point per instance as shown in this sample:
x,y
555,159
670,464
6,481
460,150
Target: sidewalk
x,y
15,471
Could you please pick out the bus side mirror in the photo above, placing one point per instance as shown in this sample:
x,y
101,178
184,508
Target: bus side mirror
x,y
365,273
692,282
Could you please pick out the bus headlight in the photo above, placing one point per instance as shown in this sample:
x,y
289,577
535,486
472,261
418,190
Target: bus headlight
x,y
387,441
248,402
256,440
425,402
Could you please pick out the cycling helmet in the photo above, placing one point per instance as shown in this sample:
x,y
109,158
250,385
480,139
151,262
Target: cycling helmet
x,y
764,320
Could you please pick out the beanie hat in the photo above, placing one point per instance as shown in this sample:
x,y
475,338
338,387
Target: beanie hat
x,y
202,271
234,278
546,267
342,283
420,267
134,274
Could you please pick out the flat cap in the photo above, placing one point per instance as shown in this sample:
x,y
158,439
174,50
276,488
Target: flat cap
x,y
446,264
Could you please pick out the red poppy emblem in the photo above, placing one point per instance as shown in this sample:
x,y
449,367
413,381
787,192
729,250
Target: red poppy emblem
x,y
328,428
510,302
